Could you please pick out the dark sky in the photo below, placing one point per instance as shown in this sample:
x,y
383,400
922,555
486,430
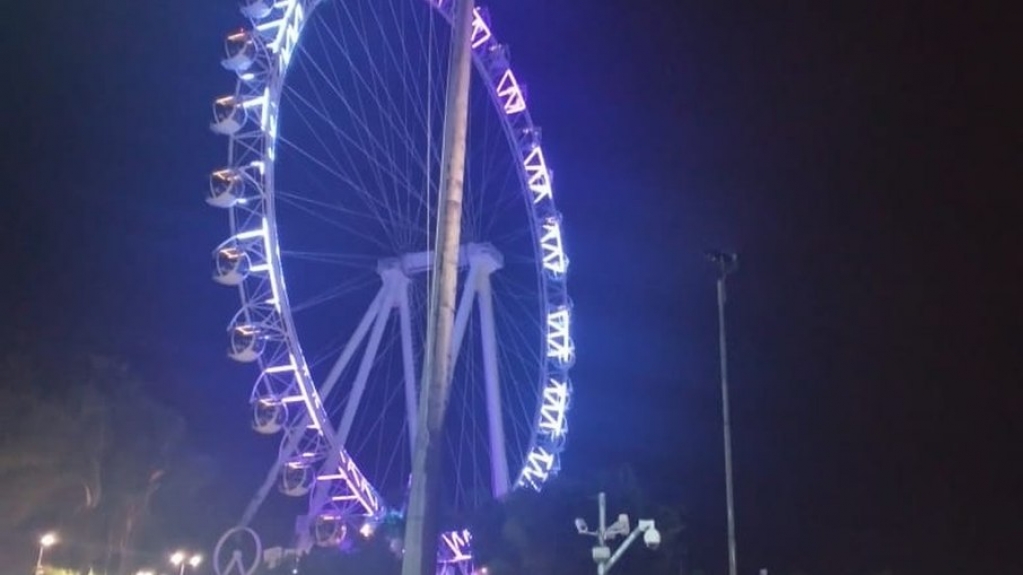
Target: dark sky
x,y
865,161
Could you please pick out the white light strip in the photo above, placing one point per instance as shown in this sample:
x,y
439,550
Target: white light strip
x,y
537,176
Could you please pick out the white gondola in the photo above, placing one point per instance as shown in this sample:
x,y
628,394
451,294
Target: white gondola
x,y
297,479
329,531
241,50
257,9
247,342
227,188
268,415
228,116
230,265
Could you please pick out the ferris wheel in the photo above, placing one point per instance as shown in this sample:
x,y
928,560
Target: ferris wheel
x,y
330,186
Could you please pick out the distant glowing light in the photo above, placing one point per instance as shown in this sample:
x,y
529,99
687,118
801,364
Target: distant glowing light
x,y
181,558
48,540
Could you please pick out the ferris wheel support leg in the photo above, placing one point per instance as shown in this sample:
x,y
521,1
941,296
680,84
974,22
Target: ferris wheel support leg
x,y
365,366
375,309
495,423
462,314
346,355
409,366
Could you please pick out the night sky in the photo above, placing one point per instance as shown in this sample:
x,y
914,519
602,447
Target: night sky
x,y
864,160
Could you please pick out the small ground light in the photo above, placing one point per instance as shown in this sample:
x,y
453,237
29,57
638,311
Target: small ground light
x,y
46,541
181,559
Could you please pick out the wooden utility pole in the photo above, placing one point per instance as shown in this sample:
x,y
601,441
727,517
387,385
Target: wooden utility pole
x,y
421,528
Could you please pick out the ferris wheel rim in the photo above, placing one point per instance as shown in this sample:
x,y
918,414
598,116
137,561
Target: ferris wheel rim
x,y
535,179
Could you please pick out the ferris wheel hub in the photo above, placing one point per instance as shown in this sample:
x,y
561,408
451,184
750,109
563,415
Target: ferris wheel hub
x,y
414,263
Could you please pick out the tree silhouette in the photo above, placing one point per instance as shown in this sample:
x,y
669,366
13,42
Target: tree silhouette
x,y
84,449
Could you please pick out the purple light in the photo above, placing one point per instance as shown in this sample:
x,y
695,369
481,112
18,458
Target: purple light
x,y
480,30
456,547
510,93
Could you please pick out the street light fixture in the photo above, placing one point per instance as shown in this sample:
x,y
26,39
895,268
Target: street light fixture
x,y
46,541
602,554
181,559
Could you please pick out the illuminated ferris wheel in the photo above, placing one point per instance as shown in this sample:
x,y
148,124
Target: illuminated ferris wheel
x,y
330,186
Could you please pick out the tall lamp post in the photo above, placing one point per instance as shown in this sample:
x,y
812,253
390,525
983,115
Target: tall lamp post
x,y
45,542
181,558
726,263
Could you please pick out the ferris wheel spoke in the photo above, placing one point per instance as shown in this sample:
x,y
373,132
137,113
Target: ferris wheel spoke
x,y
346,144
476,426
517,339
513,236
359,385
377,202
372,201
319,215
335,206
425,125
335,171
343,224
357,261
339,215
386,380
341,290
372,137
375,309
513,307
373,86
407,82
480,172
520,405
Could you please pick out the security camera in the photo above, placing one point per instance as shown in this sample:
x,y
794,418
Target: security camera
x,y
580,525
619,527
652,538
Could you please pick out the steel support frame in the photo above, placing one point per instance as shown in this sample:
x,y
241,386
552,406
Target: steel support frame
x,y
393,296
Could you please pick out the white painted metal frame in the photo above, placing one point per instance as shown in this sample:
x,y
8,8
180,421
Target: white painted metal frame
x,y
263,330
